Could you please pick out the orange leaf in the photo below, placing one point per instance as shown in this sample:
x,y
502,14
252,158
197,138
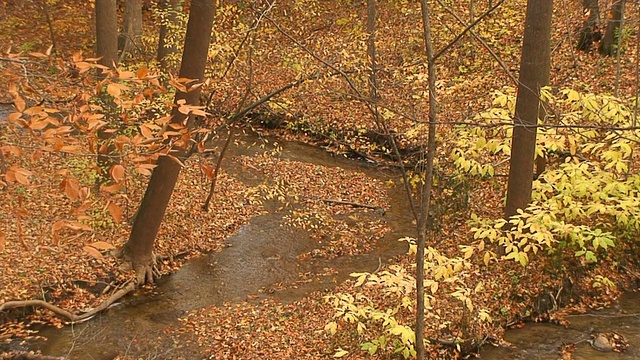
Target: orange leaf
x,y
102,245
115,211
111,188
142,72
145,131
74,225
117,172
176,160
145,169
3,241
71,188
18,174
114,90
19,102
93,252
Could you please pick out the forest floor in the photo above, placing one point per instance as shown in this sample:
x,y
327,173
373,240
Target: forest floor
x,y
69,266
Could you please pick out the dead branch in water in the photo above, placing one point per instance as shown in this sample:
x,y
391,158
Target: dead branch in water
x,y
353,204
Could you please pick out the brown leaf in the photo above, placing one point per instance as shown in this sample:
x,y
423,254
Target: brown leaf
x,y
117,172
102,245
115,211
111,188
3,241
74,225
114,90
20,175
71,188
145,169
145,131
19,102
93,252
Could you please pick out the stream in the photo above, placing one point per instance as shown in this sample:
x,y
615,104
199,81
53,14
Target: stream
x,y
544,341
262,254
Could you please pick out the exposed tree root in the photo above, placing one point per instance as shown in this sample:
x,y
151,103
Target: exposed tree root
x,y
128,287
29,356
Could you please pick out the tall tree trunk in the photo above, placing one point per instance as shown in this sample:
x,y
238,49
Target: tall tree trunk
x,y
107,32
129,38
534,74
139,248
166,44
609,42
107,48
425,195
590,31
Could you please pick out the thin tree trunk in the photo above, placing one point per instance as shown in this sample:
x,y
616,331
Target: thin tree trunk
x,y
106,48
534,74
129,38
428,184
166,45
371,51
607,45
139,248
49,19
590,31
107,32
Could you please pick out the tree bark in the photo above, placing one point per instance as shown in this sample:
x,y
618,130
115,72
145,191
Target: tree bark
x,y
129,38
425,195
534,74
371,51
608,44
590,31
166,44
139,248
107,32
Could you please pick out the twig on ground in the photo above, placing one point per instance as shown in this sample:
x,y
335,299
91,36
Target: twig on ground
x,y
354,204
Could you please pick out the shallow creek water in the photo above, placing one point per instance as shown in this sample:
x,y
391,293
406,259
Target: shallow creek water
x,y
543,341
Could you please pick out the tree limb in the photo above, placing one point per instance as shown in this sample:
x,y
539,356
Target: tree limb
x,y
353,204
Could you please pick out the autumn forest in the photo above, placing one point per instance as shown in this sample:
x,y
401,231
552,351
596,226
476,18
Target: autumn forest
x,y
319,179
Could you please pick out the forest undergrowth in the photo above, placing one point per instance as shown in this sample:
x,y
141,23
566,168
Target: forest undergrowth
x,y
60,226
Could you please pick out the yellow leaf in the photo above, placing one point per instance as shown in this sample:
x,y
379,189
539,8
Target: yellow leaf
x,y
340,353
331,328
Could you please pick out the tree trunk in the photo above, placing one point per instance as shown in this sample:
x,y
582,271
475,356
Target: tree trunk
x,y
129,38
425,194
166,44
590,31
139,248
107,48
534,74
371,51
608,44
107,32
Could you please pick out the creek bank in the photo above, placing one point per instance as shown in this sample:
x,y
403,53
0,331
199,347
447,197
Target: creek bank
x,y
544,341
